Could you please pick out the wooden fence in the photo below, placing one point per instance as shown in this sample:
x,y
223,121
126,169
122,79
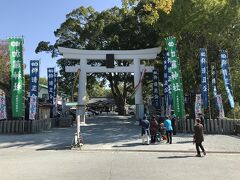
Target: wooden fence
x,y
211,126
22,126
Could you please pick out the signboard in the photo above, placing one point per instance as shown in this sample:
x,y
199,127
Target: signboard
x,y
16,59
34,81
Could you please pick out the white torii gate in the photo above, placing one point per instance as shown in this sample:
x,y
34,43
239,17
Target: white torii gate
x,y
136,68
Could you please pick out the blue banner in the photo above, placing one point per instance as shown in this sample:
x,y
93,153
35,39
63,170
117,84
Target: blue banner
x,y
55,84
214,80
214,85
50,74
34,81
167,82
156,96
55,94
226,76
204,76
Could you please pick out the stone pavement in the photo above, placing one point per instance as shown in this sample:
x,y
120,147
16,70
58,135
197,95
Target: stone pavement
x,y
115,133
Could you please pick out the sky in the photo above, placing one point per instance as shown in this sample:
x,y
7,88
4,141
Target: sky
x,y
36,20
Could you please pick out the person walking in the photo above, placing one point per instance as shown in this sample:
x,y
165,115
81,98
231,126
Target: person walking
x,y
145,130
169,129
174,122
198,137
153,129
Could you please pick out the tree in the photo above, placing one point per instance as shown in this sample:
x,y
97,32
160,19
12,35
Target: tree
x,y
213,24
5,79
149,8
4,65
43,81
197,23
111,29
203,23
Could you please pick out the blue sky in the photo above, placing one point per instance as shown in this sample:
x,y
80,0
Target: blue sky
x,y
36,20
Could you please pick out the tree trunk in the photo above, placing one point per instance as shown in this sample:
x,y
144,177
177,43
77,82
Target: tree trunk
x,y
8,103
121,107
120,98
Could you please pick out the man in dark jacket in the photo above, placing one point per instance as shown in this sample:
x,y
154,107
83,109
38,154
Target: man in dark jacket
x,y
198,137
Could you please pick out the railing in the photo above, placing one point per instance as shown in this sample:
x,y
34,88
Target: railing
x,y
211,126
22,126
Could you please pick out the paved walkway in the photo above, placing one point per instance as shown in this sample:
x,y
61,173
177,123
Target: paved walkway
x,y
118,133
113,151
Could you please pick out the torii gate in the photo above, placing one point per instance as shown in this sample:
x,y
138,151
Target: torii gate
x,y
136,68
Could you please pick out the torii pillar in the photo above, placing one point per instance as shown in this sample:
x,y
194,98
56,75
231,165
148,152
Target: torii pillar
x,y
138,94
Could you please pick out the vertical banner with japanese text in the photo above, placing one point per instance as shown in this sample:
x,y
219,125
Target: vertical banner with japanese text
x,y
204,76
226,76
55,94
156,95
176,79
198,105
214,80
55,84
50,74
220,106
167,83
34,81
16,59
3,113
214,85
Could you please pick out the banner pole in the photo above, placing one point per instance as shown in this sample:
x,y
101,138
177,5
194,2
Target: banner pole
x,y
234,114
208,79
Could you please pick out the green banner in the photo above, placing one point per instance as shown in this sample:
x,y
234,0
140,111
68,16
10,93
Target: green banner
x,y
176,78
16,59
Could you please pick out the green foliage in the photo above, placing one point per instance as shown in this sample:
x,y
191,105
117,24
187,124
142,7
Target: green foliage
x,y
43,81
5,72
96,88
204,23
213,24
149,8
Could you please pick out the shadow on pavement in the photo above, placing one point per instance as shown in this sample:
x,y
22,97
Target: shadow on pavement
x,y
98,130
174,157
56,138
183,142
109,132
110,129
57,147
129,145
